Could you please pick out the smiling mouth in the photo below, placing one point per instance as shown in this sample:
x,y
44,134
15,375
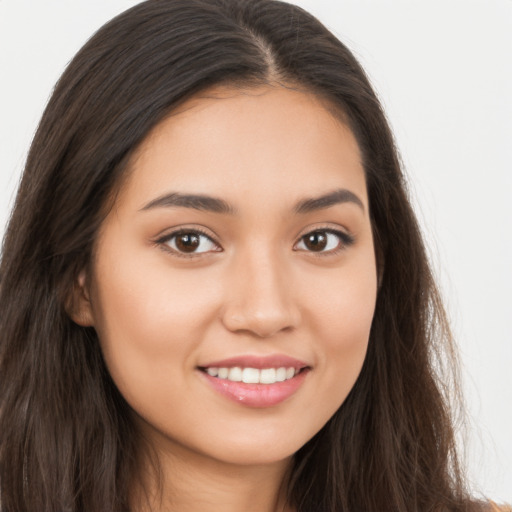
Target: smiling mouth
x,y
253,375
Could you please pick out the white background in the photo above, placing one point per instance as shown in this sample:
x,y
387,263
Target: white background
x,y
443,71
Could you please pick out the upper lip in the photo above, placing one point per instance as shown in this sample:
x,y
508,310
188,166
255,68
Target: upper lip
x,y
259,362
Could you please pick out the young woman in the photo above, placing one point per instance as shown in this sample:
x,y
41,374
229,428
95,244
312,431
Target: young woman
x,y
214,293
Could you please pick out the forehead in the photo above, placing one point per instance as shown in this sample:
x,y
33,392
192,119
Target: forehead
x,y
231,143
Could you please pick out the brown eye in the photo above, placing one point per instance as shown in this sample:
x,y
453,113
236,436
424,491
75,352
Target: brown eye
x,y
316,241
190,242
187,242
324,241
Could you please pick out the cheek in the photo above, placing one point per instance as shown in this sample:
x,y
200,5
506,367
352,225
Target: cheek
x,y
343,301
342,312
149,321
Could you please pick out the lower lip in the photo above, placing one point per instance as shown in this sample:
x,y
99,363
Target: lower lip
x,y
257,395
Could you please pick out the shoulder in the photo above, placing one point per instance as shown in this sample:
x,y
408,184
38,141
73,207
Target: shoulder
x,y
493,507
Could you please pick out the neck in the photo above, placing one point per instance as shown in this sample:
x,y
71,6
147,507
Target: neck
x,y
190,482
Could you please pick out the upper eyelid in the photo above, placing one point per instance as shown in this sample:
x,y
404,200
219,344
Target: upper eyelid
x,y
325,227
346,239
168,233
163,243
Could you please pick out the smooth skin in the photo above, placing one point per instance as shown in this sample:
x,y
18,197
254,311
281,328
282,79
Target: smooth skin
x,y
263,271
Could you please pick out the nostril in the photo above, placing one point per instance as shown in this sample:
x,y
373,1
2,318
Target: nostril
x,y
262,322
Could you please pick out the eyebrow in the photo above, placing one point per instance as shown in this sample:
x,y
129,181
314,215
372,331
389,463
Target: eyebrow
x,y
335,197
216,205
194,201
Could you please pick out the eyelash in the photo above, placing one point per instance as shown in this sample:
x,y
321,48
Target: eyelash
x,y
345,240
164,241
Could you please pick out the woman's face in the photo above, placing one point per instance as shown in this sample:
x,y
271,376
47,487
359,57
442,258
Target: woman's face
x,y
240,247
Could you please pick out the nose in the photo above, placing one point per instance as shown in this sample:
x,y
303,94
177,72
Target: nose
x,y
260,299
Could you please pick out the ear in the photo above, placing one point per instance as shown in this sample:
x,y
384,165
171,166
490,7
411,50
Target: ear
x,y
78,305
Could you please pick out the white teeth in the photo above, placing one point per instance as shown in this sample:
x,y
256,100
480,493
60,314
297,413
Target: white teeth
x,y
253,375
235,374
250,375
268,376
280,374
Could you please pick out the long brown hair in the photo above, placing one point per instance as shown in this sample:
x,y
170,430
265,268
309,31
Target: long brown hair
x,y
66,439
